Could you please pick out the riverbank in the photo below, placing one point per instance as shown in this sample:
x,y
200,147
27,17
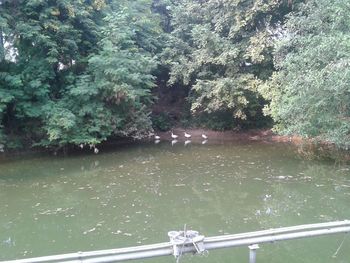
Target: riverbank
x,y
264,135
308,149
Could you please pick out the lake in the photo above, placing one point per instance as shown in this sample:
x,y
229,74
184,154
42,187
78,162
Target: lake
x,y
134,194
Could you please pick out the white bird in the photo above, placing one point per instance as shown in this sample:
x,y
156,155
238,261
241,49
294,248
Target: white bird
x,y
81,146
96,150
174,136
204,136
187,135
156,137
247,64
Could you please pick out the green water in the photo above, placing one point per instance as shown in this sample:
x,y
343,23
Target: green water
x,y
135,194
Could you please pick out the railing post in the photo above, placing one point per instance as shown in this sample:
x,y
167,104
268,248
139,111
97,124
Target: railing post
x,y
252,253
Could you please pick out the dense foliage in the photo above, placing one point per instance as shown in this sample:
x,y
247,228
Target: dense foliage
x,y
82,71
112,95
50,40
222,51
310,92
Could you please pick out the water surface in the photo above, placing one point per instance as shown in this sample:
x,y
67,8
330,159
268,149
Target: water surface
x,y
135,194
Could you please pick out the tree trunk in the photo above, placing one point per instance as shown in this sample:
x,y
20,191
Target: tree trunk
x,y
2,49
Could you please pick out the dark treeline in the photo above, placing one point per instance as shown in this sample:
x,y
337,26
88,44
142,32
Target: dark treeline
x,y
83,71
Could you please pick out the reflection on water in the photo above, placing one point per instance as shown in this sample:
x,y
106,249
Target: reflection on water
x,y
135,195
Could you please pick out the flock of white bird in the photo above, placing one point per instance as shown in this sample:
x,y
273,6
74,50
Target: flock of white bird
x,y
157,140
175,137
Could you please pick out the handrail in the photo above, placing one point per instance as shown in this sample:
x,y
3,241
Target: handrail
x,y
207,243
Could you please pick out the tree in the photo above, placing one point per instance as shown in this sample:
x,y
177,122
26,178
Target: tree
x,y
221,50
81,70
310,92
51,40
113,95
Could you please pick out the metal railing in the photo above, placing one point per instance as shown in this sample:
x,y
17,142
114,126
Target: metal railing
x,y
182,242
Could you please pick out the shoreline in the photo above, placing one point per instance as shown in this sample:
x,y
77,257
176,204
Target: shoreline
x,y
309,148
264,135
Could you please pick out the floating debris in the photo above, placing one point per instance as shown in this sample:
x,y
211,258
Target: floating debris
x,y
9,242
89,231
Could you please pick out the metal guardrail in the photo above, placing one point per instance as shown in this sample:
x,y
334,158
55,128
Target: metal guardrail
x,y
182,242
